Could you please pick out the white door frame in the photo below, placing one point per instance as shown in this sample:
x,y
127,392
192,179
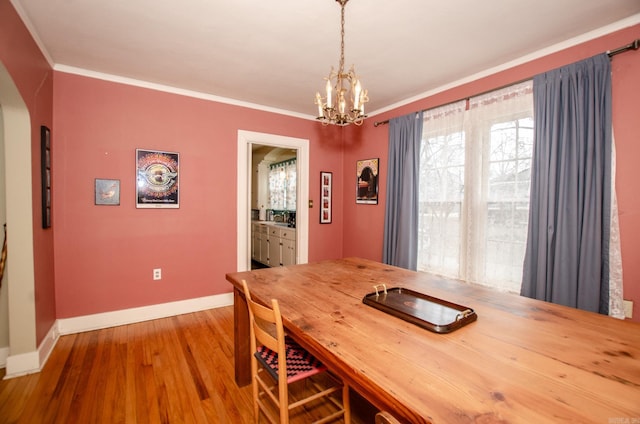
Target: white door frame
x,y
245,140
20,275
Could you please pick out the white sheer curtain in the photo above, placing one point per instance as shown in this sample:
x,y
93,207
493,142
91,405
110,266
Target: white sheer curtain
x,y
616,306
474,187
441,187
499,128
290,171
282,185
475,177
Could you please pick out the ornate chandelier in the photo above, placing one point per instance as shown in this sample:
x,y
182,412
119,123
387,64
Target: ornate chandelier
x,y
345,97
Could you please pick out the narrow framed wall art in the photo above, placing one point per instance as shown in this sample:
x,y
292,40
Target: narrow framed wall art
x,y
45,169
325,197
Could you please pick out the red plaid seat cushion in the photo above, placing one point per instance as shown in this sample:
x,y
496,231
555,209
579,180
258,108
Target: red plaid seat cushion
x,y
300,363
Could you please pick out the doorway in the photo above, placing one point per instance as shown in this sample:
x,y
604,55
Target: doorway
x,y
246,140
273,199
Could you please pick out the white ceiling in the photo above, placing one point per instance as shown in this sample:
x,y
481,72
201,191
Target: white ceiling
x,y
274,54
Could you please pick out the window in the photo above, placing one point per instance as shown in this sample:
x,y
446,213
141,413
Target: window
x,y
442,173
282,185
474,188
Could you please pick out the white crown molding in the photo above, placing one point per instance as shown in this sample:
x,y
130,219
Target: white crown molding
x,y
608,29
32,30
139,83
616,26
173,90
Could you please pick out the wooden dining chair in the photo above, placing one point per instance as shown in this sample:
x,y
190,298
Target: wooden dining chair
x,y
279,364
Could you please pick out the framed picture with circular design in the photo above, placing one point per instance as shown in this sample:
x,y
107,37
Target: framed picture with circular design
x,y
157,179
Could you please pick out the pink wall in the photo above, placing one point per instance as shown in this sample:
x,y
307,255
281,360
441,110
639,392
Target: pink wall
x,y
105,254
33,77
365,222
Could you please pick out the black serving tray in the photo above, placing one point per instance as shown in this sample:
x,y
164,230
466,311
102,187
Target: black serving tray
x,y
426,311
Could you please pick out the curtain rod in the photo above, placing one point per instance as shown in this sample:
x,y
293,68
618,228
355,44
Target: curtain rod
x,y
634,45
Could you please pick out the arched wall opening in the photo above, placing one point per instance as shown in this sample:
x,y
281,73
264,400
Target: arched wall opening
x,y
23,356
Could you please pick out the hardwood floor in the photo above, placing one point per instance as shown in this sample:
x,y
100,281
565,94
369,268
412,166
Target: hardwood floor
x,y
170,370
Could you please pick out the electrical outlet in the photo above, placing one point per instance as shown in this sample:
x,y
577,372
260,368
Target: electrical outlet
x,y
628,308
157,274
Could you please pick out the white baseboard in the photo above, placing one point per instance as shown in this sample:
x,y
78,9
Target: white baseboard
x,y
30,362
22,364
144,313
47,344
4,354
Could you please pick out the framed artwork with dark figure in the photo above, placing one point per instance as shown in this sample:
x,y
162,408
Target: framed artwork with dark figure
x,y
325,197
367,181
45,169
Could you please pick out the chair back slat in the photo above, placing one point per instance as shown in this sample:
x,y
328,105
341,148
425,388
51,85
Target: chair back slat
x,y
265,323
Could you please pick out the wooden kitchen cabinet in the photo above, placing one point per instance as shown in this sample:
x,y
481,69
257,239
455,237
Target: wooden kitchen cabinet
x,y
263,230
288,246
275,246
255,242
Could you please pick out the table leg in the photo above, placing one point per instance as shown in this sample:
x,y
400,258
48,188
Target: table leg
x,y
241,345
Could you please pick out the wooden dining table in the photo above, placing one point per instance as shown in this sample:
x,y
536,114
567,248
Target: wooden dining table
x,y
521,361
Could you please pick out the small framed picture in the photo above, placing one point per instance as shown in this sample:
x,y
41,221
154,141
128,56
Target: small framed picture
x,y
367,181
107,192
325,197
